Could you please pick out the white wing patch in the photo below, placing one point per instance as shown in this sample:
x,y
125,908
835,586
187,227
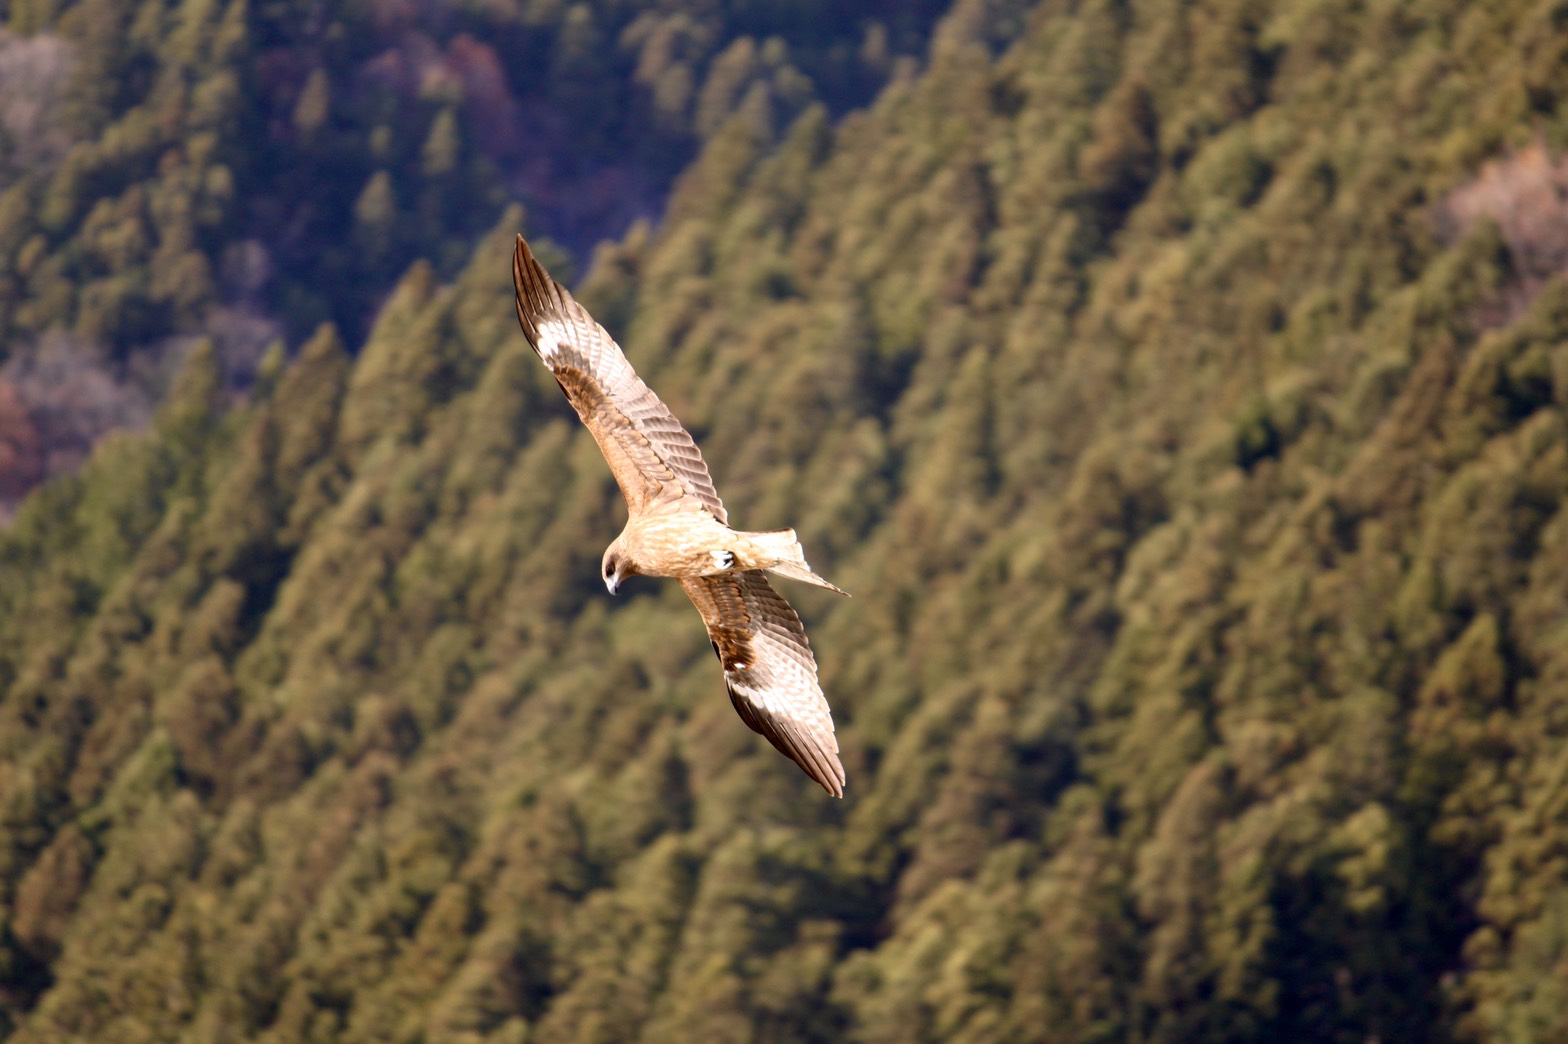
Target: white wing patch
x,y
550,341
769,670
634,429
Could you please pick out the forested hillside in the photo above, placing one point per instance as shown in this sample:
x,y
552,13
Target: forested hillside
x,y
1179,389
243,171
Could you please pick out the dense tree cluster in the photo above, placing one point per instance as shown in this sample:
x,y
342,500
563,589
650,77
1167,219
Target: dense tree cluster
x,y
1179,389
243,171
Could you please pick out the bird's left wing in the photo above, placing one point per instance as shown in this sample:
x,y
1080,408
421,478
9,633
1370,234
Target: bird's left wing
x,y
652,456
769,670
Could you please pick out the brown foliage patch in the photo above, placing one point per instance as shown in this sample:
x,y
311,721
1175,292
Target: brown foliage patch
x,y
1525,193
21,446
56,399
33,73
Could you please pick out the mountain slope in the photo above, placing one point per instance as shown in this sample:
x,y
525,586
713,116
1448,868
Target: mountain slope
x,y
241,171
1188,424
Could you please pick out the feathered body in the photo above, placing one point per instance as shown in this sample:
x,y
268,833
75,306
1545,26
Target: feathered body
x,y
677,527
678,540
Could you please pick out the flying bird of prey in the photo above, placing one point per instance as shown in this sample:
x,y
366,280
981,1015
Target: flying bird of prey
x,y
677,527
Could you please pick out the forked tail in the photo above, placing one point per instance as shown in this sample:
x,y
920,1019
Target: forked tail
x,y
787,557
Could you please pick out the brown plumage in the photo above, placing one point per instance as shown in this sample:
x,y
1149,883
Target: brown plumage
x,y
677,527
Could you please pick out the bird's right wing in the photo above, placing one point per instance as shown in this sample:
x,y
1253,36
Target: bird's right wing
x,y
769,669
652,456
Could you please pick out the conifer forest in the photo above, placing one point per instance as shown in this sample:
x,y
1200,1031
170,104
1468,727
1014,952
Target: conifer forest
x,y
1179,387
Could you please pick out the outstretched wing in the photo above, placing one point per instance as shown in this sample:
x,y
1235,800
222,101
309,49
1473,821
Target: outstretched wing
x,y
769,669
653,457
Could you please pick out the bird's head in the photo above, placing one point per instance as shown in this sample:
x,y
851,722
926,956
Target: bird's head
x,y
615,567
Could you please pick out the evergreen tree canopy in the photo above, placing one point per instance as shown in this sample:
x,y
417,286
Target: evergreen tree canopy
x,y
1180,390
244,171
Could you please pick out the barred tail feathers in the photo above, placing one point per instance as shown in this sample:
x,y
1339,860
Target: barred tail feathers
x,y
787,557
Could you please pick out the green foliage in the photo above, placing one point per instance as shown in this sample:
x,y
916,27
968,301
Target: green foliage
x,y
168,116
172,169
1186,421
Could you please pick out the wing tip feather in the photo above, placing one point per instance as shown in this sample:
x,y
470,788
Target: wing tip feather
x,y
801,745
539,297
806,740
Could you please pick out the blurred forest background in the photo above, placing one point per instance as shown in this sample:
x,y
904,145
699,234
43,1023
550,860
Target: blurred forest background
x,y
1179,388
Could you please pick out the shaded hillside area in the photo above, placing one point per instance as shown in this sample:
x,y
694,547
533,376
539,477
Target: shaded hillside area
x,y
1181,394
171,169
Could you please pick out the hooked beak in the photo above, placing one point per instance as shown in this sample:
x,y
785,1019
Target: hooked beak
x,y
613,583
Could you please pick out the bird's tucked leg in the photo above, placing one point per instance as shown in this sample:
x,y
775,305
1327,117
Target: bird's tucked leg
x,y
723,558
